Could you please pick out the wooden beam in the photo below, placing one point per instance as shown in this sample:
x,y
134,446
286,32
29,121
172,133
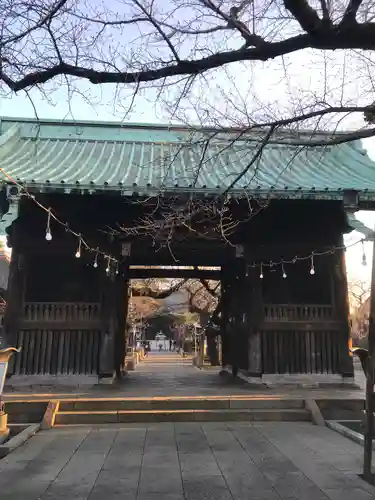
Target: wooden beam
x,y
122,304
300,326
60,325
145,273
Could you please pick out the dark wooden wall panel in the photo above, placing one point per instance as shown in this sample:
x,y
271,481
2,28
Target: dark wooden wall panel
x,y
300,351
57,352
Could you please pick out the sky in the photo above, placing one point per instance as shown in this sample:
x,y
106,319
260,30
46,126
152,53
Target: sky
x,y
355,269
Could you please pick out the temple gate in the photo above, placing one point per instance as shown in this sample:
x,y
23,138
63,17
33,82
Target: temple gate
x,y
284,307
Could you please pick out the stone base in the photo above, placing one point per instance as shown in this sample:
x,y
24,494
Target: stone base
x,y
130,364
107,379
49,382
307,381
298,380
197,361
349,433
3,424
256,382
18,439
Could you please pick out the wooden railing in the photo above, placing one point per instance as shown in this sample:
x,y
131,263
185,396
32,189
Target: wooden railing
x,y
61,311
292,312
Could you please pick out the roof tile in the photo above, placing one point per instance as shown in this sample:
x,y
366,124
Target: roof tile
x,y
162,158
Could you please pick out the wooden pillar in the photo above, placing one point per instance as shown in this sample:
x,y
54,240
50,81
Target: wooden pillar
x,y
242,311
246,313
201,350
235,327
122,302
341,304
108,311
224,325
228,314
254,317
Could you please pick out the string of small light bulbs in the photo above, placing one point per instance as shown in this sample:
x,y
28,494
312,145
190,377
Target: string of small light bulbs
x,y
112,260
310,257
82,243
261,265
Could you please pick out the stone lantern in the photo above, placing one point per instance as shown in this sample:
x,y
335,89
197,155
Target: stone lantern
x,y
5,355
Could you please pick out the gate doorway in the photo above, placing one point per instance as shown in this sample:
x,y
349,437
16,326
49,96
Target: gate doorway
x,y
171,312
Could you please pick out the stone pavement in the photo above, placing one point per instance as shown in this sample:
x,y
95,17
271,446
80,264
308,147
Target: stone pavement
x,y
239,461
169,375
160,374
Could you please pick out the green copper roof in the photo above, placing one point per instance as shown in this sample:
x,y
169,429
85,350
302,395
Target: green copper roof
x,y
147,158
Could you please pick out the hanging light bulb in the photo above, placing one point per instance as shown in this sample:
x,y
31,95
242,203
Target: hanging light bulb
x,y
116,267
95,264
283,270
108,269
48,228
312,268
364,259
261,271
78,252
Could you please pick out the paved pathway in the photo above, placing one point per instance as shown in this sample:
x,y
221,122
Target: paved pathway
x,y
169,375
240,461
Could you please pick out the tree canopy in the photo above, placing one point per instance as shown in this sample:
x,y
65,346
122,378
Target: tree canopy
x,y
315,56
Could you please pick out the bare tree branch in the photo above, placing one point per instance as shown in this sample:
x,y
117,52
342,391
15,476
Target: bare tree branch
x,y
45,19
158,29
306,16
351,11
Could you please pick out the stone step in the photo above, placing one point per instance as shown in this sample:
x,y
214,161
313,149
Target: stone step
x,y
166,358
20,412
172,404
167,361
178,362
113,417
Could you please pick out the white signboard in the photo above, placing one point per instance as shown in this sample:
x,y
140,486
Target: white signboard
x,y
3,370
125,249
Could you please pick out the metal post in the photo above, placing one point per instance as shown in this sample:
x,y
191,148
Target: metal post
x,y
369,408
201,347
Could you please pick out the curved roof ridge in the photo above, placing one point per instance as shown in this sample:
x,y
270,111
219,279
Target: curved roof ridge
x,y
166,126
